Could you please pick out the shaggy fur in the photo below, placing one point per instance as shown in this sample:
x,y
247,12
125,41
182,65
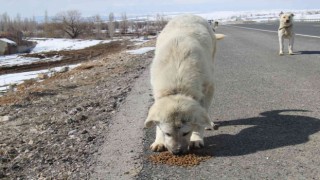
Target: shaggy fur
x,y
285,31
182,82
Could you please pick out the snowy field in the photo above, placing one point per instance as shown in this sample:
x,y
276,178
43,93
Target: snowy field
x,y
46,45
17,78
53,44
259,16
253,15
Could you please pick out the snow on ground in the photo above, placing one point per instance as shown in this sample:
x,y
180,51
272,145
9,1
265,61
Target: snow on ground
x,y
12,60
55,44
46,45
259,15
253,15
8,41
17,78
141,50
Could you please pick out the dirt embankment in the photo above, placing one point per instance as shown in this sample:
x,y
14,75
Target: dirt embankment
x,y
53,128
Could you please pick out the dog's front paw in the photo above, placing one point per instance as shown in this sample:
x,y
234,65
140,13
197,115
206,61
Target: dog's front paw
x,y
280,53
158,147
291,53
196,144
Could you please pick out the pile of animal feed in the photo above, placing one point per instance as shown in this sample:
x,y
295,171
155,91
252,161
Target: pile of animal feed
x,y
186,160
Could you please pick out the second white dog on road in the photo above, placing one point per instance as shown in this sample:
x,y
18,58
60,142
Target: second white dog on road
x,y
285,31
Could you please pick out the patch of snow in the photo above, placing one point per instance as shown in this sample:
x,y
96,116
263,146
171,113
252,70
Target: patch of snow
x,y
251,15
8,41
46,45
55,44
17,78
12,60
139,41
141,50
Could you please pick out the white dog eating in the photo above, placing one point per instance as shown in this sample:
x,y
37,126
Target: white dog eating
x,y
182,82
285,31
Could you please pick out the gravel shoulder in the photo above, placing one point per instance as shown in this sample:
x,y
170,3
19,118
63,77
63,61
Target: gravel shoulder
x,y
53,129
121,156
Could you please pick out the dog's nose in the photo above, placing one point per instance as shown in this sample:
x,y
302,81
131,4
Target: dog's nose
x,y
287,21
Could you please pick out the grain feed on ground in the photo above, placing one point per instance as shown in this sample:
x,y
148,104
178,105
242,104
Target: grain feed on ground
x,y
186,160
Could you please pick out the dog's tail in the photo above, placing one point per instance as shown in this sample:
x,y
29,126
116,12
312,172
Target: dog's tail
x,y
219,36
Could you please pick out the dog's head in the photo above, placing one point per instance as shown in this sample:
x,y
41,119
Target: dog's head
x,y
286,18
176,116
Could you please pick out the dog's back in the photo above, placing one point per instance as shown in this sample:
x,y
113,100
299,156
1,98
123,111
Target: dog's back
x,y
184,57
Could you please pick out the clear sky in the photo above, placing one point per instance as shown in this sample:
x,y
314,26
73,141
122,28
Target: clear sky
x,y
29,8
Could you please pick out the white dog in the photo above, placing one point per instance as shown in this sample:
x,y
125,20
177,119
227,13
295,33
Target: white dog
x,y
182,82
285,31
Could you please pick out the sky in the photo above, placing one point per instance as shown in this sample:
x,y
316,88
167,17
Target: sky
x,y
29,8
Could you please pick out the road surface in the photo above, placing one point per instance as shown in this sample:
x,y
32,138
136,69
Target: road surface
x,y
268,108
303,28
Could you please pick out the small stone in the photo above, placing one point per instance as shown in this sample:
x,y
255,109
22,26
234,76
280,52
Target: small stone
x,y
90,138
84,132
81,117
64,69
42,76
30,142
5,118
72,132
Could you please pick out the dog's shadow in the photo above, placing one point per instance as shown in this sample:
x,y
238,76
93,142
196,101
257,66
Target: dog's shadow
x,y
270,131
307,52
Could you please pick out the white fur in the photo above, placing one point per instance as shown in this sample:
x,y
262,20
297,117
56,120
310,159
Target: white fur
x,y
182,82
285,31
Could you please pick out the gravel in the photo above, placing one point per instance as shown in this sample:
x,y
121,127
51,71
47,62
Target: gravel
x,y
53,129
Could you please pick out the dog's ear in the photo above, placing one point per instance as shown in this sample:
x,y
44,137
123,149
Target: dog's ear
x,y
152,118
280,13
291,14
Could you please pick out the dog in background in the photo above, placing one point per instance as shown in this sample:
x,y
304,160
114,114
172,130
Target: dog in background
x,y
285,31
182,83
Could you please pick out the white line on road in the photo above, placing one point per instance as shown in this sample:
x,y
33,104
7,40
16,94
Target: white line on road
x,y
304,35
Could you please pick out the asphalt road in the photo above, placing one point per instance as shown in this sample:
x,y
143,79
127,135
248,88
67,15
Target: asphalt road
x,y
268,108
305,28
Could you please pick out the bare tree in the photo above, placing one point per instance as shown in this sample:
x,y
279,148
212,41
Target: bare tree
x,y
124,25
5,22
46,26
71,22
136,27
111,25
17,23
160,22
97,21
